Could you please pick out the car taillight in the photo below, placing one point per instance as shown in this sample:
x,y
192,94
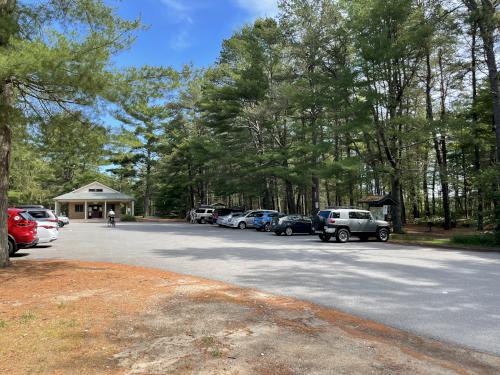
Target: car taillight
x,y
24,223
331,221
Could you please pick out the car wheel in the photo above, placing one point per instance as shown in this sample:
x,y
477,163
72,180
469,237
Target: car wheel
x,y
342,235
363,238
325,237
12,247
383,235
288,231
242,225
202,221
278,233
267,227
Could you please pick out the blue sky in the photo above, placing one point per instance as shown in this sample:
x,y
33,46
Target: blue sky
x,y
186,31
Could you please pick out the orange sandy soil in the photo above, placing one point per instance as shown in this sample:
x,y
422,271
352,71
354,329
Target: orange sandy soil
x,y
62,317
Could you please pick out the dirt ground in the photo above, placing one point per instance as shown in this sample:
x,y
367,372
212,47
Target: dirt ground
x,y
63,317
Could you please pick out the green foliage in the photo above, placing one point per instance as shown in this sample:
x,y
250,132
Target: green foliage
x,y
330,96
486,240
127,218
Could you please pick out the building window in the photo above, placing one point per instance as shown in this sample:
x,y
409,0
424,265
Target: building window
x,y
79,208
95,190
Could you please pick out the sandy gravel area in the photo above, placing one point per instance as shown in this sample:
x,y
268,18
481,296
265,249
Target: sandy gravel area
x,y
67,317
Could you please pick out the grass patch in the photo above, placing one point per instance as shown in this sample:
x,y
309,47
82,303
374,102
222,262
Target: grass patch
x,y
3,323
421,239
216,353
128,218
207,340
27,317
486,240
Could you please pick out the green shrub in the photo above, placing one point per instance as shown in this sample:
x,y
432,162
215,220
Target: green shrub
x,y
128,218
476,240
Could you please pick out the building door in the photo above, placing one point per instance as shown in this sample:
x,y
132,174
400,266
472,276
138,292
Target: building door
x,y
96,211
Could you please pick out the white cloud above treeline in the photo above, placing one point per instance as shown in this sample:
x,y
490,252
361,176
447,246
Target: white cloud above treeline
x,y
259,7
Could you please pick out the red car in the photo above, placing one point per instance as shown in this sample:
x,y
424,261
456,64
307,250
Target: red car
x,y
22,230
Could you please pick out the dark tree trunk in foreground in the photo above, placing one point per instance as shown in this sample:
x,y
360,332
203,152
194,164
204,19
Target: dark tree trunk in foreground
x,y
8,24
5,146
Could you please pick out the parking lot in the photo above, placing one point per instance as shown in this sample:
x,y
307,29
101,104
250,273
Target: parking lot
x,y
449,295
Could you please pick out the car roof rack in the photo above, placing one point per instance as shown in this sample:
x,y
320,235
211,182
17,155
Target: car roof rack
x,y
24,206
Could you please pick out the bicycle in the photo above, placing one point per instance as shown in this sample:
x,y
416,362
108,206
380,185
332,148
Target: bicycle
x,y
111,221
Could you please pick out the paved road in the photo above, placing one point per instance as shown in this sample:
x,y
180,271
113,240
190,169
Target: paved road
x,y
450,295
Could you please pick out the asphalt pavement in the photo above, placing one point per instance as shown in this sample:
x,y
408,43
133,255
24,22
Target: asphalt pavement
x,y
451,295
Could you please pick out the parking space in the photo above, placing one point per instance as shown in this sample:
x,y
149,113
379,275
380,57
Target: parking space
x,y
449,295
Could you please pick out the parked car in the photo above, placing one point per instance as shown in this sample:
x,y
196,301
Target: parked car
x,y
263,220
292,224
22,230
47,224
224,221
203,215
223,212
342,223
245,220
62,220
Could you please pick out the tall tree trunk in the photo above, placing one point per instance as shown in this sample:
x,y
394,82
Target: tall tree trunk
x,y
328,194
290,202
441,151
477,145
425,183
396,210
7,17
430,117
315,183
434,189
147,191
5,147
487,23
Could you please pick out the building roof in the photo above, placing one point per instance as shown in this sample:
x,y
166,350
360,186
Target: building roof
x,y
378,200
84,194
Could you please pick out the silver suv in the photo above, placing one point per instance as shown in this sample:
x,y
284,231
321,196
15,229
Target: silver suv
x,y
341,223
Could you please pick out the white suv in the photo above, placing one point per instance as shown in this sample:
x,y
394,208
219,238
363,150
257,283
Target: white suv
x,y
341,223
202,215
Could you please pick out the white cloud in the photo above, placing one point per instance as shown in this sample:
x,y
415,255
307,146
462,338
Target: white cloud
x,y
260,7
175,5
180,41
178,10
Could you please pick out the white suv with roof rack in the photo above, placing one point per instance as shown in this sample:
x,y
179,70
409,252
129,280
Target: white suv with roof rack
x,y
203,214
342,223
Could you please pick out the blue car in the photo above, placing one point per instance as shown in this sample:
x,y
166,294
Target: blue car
x,y
263,220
